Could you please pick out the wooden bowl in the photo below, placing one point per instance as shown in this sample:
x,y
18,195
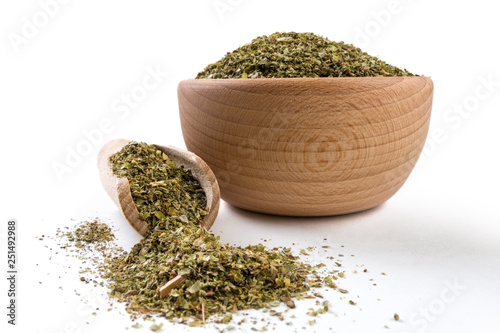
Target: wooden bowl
x,y
307,146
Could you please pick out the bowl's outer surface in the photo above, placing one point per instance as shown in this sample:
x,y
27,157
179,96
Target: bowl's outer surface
x,y
307,147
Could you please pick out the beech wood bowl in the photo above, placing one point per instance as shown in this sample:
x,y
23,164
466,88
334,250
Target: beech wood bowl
x,y
119,189
307,146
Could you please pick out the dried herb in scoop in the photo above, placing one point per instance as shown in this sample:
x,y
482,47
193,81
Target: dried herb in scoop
x,y
297,55
166,195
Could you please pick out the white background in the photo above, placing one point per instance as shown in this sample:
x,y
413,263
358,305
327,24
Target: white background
x,y
436,239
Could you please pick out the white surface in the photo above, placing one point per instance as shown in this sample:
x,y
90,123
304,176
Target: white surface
x,y
436,239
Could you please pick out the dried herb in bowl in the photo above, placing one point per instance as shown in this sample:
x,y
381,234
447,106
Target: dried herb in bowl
x,y
297,55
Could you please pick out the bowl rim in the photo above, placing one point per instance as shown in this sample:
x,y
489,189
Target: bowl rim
x,y
303,79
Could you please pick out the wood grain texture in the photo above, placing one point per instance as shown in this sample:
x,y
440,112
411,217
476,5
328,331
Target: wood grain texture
x,y
119,189
309,146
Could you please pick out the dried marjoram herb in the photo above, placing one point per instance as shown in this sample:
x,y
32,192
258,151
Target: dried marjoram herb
x,y
90,232
218,278
296,55
165,195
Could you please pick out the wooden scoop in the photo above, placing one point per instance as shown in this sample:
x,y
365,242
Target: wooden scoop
x,y
119,188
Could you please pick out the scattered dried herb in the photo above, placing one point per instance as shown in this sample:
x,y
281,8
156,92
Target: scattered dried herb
x,y
219,278
156,327
297,55
90,233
